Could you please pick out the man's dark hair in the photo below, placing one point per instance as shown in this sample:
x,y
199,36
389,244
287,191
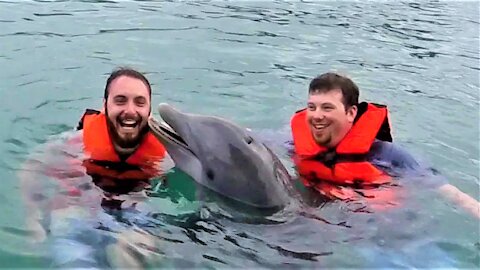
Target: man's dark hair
x,y
330,81
128,72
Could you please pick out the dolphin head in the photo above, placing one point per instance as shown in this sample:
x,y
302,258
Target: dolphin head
x,y
223,157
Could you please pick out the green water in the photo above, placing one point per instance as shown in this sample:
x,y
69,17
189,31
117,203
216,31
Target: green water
x,y
251,61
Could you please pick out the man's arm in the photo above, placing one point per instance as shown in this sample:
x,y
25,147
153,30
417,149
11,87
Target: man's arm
x,y
400,160
31,193
279,141
47,161
458,197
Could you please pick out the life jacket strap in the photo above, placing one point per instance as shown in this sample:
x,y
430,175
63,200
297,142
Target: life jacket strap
x,y
330,158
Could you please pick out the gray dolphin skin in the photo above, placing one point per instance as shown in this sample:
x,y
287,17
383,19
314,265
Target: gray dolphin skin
x,y
223,157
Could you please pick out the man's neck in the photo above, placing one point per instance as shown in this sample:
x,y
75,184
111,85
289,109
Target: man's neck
x,y
124,153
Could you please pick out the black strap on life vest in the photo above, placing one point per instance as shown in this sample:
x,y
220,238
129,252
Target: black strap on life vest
x,y
384,133
116,166
299,110
330,158
87,112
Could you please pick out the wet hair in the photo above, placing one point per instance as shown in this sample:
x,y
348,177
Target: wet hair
x,y
128,72
329,81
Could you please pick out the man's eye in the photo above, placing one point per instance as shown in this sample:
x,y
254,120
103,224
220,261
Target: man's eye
x,y
120,100
140,101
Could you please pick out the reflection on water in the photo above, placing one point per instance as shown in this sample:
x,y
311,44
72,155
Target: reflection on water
x,y
250,62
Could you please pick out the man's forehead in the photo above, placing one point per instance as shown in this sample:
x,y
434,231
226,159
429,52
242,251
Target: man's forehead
x,y
129,94
128,91
329,96
128,82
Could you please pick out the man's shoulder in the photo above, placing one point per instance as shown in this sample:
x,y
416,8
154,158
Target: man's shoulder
x,y
65,142
391,154
397,161
86,113
57,153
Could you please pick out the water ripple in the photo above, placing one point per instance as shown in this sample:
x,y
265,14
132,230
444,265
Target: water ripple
x,y
255,34
229,72
425,54
406,33
283,67
431,22
46,34
474,56
16,142
72,68
99,57
188,16
59,101
215,259
308,256
98,1
149,8
85,10
102,31
231,95
31,82
470,67
231,40
52,14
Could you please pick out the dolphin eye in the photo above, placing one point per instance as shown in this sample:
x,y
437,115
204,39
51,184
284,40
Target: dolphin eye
x,y
210,174
249,140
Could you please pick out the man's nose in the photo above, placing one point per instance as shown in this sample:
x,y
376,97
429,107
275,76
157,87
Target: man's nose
x,y
130,108
318,114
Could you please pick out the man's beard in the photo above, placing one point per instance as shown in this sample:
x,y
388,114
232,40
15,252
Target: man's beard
x,y
121,142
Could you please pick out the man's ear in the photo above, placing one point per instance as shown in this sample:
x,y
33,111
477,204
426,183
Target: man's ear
x,y
102,110
352,113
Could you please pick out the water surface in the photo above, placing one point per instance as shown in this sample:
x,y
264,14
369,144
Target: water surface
x,y
251,61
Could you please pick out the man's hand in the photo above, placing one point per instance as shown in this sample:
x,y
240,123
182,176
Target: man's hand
x,y
465,201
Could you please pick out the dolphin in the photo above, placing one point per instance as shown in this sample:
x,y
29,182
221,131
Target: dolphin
x,y
224,157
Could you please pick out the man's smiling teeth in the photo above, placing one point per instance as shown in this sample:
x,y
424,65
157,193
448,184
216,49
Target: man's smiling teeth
x,y
319,126
128,123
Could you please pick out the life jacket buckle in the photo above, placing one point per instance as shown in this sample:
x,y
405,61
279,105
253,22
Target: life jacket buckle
x,y
328,158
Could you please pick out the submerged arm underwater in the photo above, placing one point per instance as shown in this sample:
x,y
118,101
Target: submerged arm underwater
x,y
63,208
405,161
400,163
461,199
49,160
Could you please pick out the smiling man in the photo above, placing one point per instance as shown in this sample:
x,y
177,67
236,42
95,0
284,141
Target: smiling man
x,y
117,140
112,149
343,148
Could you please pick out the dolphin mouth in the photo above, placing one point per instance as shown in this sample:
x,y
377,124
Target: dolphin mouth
x,y
166,132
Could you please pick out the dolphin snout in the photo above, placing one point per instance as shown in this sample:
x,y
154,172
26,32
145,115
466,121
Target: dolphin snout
x,y
168,113
165,109
173,117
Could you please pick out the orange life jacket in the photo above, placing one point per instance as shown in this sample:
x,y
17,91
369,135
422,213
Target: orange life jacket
x,y
346,165
104,161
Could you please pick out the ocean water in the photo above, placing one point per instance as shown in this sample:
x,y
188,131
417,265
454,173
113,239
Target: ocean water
x,y
251,62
